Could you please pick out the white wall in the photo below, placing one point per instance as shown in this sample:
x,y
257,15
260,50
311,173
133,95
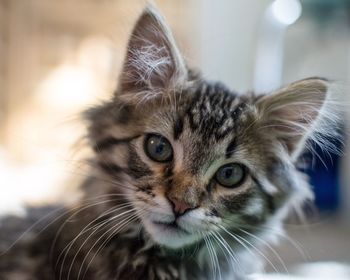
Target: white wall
x,y
227,40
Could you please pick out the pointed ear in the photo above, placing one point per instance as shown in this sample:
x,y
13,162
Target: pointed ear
x,y
297,112
153,63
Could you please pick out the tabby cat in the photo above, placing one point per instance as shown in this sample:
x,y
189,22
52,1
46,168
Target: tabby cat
x,y
189,180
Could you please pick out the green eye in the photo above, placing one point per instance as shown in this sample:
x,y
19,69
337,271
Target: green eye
x,y
230,175
158,148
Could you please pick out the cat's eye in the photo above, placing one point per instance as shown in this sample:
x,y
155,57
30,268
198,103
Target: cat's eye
x,y
158,148
230,175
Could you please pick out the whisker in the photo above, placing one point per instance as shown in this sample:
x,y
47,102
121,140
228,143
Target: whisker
x,y
85,241
268,246
116,229
292,241
210,256
120,225
242,240
47,216
299,248
226,250
77,210
216,256
85,229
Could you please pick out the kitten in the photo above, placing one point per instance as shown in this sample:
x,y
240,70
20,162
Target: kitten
x,y
189,179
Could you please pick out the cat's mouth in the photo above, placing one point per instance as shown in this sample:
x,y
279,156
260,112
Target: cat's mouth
x,y
170,233
170,226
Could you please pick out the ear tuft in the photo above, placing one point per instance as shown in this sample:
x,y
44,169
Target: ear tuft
x,y
300,111
153,63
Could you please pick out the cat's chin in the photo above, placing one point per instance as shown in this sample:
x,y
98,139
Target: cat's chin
x,y
170,235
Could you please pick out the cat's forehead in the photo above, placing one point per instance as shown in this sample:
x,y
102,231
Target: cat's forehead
x,y
207,113
215,112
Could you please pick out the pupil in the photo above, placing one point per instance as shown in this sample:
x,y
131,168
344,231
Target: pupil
x,y
159,148
228,173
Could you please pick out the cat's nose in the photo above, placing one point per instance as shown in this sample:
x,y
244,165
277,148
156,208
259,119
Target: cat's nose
x,y
180,207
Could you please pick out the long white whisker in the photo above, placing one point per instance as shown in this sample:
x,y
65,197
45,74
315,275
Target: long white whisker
x,y
47,216
91,234
241,241
115,229
84,230
210,256
80,209
227,250
215,258
268,246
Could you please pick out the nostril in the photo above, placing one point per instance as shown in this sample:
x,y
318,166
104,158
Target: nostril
x,y
180,207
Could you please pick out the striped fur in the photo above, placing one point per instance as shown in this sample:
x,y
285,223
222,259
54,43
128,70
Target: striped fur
x,y
126,226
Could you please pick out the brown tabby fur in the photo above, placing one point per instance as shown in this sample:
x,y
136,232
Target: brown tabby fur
x,y
113,234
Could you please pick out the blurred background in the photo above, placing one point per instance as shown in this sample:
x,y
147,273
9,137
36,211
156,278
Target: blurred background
x,y
59,57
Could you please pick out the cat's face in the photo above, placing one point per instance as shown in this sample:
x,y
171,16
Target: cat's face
x,y
197,169
195,158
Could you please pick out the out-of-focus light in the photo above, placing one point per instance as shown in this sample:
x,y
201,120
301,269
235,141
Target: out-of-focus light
x,y
68,86
310,271
325,270
79,81
23,185
286,11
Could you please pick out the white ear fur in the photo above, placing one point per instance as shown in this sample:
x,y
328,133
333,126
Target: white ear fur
x,y
153,64
300,111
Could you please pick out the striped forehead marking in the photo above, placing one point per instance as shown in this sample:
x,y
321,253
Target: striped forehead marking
x,y
214,110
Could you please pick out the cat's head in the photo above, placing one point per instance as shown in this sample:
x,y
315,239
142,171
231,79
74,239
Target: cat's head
x,y
194,157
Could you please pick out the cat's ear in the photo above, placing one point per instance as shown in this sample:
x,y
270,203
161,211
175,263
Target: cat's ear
x,y
153,63
297,112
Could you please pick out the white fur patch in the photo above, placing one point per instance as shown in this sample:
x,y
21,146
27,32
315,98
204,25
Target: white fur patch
x,y
254,207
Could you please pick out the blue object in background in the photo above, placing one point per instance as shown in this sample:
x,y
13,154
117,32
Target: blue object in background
x,y
324,175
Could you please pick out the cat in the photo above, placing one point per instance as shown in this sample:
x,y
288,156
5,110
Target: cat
x,y
189,180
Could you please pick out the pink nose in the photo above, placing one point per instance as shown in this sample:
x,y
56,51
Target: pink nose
x,y
179,207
